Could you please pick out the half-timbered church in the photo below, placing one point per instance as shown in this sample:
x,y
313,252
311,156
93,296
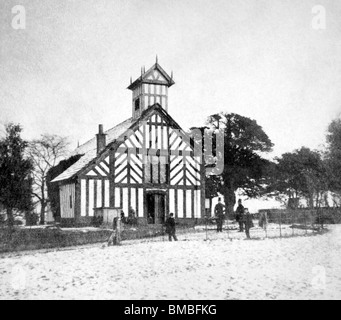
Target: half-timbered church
x,y
146,163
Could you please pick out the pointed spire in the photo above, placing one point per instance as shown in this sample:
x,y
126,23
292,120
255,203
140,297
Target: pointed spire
x,y
131,79
157,60
172,75
144,69
78,144
141,71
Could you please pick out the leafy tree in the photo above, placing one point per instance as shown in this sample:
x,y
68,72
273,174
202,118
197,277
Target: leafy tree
x,y
333,156
244,167
211,188
15,173
45,154
300,174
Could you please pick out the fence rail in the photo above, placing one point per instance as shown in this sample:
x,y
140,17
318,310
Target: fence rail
x,y
279,224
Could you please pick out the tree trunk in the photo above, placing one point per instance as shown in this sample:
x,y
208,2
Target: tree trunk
x,y
230,201
326,201
42,213
10,218
311,201
43,204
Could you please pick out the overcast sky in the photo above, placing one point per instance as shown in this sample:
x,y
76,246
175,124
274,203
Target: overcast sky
x,y
69,69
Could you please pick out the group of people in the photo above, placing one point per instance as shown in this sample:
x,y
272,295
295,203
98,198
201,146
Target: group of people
x,y
118,226
115,237
243,217
131,219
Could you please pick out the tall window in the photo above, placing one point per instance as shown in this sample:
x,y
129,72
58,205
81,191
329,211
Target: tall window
x,y
156,170
137,104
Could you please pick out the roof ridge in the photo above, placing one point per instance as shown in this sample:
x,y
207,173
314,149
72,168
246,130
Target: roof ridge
x,y
91,154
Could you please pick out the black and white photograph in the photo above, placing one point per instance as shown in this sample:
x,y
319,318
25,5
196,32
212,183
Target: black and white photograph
x,y
174,153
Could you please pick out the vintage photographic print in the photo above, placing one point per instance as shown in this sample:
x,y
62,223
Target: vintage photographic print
x,y
158,151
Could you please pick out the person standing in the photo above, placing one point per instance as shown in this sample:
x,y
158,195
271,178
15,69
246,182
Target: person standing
x,y
263,220
123,218
132,217
170,227
239,215
248,223
219,214
115,237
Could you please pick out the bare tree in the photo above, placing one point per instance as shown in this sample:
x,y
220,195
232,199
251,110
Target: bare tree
x,y
45,153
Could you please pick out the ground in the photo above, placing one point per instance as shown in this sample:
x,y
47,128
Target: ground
x,y
303,267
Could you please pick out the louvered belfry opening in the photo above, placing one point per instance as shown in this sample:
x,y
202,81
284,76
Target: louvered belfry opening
x,y
150,88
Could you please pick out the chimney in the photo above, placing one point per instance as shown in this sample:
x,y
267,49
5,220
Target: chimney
x,y
101,139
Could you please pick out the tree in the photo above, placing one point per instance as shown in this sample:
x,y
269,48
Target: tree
x,y
211,188
45,153
244,167
333,155
15,173
300,174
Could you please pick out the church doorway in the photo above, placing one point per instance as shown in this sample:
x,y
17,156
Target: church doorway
x,y
156,207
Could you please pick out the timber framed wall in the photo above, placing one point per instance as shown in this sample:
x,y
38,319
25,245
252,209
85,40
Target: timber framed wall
x,y
155,156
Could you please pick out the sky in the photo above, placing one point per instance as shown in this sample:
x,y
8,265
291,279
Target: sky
x,y
68,70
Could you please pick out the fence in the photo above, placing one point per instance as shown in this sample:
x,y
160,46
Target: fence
x,y
279,224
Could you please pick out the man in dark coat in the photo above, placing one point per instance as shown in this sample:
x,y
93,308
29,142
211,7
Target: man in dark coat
x,y
239,215
170,227
219,213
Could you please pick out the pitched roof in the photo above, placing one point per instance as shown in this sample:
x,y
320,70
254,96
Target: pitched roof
x,y
145,75
89,149
112,134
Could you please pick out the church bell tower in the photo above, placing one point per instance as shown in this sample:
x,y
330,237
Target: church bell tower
x,y
150,88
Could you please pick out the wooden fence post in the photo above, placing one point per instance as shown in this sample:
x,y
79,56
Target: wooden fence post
x,y
280,224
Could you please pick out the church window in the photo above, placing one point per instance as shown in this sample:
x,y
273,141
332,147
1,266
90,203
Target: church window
x,y
137,104
156,169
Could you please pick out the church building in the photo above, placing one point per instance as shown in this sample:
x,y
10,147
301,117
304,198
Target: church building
x,y
146,163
